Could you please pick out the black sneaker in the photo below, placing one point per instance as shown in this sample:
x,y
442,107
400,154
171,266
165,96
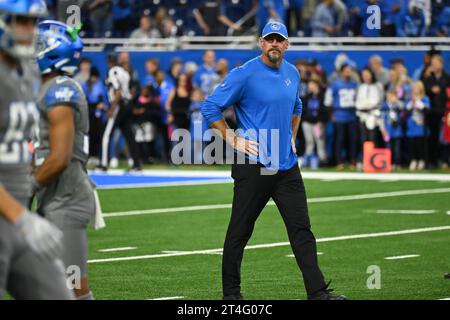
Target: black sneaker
x,y
326,294
447,276
134,169
233,297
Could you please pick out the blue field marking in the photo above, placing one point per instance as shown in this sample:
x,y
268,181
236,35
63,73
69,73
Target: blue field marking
x,y
144,180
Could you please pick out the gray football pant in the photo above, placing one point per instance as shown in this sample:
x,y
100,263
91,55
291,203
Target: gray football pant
x,y
73,222
24,274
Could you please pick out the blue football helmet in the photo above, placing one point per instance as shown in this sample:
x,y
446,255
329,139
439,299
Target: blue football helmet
x,y
11,42
59,47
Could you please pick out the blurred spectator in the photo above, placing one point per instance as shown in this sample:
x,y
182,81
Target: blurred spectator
x,y
169,29
147,119
165,86
423,71
160,16
206,77
270,10
314,117
198,125
400,83
151,69
212,18
146,29
340,97
302,67
101,17
294,17
315,71
411,23
436,85
323,21
97,99
121,13
369,99
389,10
394,124
342,17
176,67
425,6
190,68
443,23
178,104
229,114
84,71
416,129
339,61
380,72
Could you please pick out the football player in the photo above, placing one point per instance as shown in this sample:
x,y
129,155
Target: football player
x,y
30,267
64,192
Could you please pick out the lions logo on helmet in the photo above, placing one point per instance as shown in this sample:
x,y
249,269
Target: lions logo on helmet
x,y
59,47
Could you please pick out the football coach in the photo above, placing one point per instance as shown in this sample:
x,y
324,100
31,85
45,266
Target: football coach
x,y
265,94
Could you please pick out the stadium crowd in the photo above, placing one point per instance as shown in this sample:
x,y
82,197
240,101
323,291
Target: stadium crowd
x,y
410,114
321,18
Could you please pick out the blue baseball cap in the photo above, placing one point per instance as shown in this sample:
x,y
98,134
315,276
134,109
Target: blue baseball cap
x,y
275,27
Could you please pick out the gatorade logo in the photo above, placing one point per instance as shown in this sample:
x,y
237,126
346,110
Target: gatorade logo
x,y
376,160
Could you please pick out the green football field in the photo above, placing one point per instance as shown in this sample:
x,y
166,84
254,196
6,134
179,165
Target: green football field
x,y
153,252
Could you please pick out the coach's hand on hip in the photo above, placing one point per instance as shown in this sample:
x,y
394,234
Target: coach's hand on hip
x,y
243,145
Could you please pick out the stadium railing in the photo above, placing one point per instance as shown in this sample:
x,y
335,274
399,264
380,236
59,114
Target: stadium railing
x,y
250,42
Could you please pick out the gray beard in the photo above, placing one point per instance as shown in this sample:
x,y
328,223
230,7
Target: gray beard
x,y
273,59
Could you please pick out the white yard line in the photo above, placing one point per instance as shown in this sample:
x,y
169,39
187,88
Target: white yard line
x,y
293,256
276,244
117,249
168,298
419,212
170,251
406,256
271,203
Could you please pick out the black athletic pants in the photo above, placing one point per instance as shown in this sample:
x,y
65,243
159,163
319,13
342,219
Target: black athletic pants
x,y
252,191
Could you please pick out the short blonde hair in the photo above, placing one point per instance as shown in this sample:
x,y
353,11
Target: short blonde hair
x,y
419,84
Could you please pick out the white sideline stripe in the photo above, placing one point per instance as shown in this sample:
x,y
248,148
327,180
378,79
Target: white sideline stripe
x,y
276,244
406,211
168,298
293,256
271,203
307,175
406,256
444,299
166,184
224,176
117,249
